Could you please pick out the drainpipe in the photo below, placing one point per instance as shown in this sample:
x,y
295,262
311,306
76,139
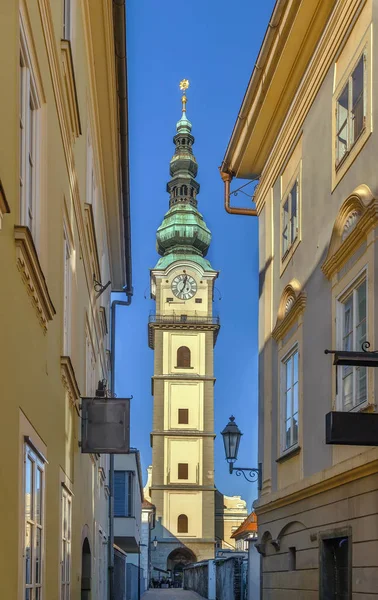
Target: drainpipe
x,y
115,303
119,33
227,178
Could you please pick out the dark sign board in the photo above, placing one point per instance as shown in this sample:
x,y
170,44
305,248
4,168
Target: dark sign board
x,y
352,428
105,425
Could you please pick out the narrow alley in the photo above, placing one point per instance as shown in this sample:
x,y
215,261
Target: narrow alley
x,y
170,594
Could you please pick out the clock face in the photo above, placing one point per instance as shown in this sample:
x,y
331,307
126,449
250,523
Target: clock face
x,y
184,286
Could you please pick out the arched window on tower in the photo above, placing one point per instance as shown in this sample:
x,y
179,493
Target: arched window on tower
x,y
185,192
183,357
191,192
182,524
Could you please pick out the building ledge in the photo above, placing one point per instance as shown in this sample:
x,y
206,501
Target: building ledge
x,y
32,275
69,381
187,322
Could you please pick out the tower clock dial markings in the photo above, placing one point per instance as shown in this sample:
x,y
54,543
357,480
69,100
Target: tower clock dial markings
x,y
184,287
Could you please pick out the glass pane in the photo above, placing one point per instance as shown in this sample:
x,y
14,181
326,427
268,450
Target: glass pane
x,y
28,593
294,202
289,366
28,553
29,488
342,124
295,398
358,99
69,505
285,227
38,493
288,434
348,391
361,381
38,556
361,315
38,593
295,359
288,405
295,429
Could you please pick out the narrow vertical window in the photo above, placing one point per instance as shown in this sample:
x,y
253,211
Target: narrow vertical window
x,y
351,110
183,357
182,524
29,143
183,416
353,318
289,219
123,493
90,366
66,544
67,304
183,471
290,400
34,483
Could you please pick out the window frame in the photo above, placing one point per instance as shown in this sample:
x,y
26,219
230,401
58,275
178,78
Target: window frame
x,y
288,199
348,291
32,523
178,523
29,141
349,120
283,394
66,544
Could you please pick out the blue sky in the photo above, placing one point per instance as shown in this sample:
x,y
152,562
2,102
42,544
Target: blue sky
x,y
214,44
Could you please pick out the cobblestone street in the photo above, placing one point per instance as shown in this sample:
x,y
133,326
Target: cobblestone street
x,y
170,594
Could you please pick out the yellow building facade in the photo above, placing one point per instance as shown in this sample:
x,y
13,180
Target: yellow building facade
x,y
63,230
307,132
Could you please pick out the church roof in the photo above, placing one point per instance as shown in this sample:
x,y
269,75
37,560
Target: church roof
x,y
183,234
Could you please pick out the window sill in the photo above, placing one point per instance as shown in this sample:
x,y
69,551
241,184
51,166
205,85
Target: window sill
x,y
290,453
185,368
32,275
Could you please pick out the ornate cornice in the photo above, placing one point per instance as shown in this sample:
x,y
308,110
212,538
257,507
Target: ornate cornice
x,y
70,88
349,233
4,206
292,305
32,275
69,381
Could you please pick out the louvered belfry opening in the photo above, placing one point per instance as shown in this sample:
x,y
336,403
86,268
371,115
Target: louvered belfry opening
x,y
183,357
182,524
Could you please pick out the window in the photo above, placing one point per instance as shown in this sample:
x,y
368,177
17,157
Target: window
x,y
290,218
183,471
352,381
29,142
182,524
183,416
183,357
123,493
67,306
66,544
292,558
351,110
90,366
34,484
335,569
290,400
67,8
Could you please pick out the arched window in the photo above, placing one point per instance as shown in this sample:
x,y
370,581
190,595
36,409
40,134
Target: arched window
x,y
182,524
183,357
191,192
185,190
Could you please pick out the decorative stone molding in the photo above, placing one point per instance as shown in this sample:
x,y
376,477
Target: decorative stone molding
x,y
357,216
292,305
70,88
67,374
4,206
32,275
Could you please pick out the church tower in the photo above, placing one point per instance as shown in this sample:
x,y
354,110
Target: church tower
x,y
182,333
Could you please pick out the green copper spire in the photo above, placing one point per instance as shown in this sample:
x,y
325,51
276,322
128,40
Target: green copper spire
x,y
183,233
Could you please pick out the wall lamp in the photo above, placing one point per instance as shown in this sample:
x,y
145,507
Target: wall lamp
x,y
231,438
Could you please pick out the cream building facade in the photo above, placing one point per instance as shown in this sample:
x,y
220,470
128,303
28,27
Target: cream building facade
x,y
63,230
307,131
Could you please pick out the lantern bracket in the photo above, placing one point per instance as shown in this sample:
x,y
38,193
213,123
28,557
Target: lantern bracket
x,y
250,474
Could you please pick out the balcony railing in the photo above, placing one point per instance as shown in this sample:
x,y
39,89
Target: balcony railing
x,y
182,319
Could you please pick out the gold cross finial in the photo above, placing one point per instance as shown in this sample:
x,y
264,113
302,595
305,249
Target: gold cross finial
x,y
184,84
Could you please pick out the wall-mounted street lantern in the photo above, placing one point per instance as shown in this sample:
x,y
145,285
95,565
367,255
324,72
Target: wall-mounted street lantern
x,y
155,542
231,438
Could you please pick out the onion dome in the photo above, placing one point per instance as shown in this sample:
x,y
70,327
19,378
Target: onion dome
x,y
183,233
